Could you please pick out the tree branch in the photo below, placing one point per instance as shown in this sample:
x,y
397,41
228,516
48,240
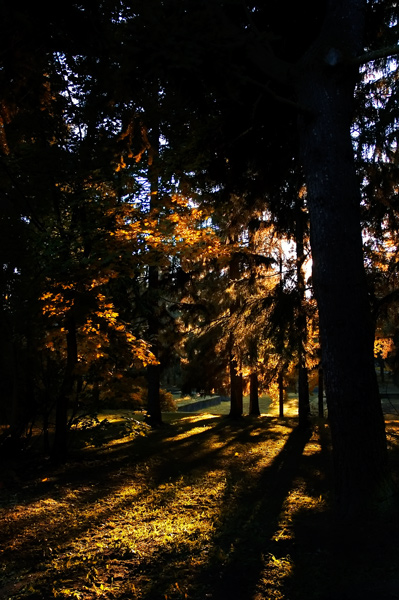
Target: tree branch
x,y
281,99
375,55
380,303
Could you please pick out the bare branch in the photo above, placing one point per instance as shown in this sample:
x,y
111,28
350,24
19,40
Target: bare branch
x,y
375,55
282,99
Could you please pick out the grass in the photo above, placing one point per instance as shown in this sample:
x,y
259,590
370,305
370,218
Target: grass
x,y
203,508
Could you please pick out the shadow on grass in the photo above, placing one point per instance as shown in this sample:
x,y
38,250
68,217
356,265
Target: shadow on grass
x,y
244,533
245,556
98,474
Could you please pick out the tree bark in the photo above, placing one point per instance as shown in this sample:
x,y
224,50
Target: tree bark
x,y
281,394
325,87
254,409
320,393
303,385
60,444
236,396
154,413
303,395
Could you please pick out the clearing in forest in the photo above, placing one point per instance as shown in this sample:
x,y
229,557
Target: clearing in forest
x,y
204,507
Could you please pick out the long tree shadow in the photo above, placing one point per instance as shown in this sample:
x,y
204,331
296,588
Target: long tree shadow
x,y
245,530
162,452
247,515
247,533
202,450
364,552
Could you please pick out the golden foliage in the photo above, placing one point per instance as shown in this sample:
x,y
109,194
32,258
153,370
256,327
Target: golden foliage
x,y
383,346
97,331
130,241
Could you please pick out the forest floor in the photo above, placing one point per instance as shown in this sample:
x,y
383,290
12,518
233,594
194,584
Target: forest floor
x,y
201,508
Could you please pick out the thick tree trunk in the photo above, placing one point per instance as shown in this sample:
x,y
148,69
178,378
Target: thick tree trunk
x,y
325,87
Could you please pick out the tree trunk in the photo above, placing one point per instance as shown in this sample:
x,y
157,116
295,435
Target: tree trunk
x,y
253,379
381,364
325,87
301,321
321,393
59,450
303,396
154,414
236,397
254,409
15,400
281,394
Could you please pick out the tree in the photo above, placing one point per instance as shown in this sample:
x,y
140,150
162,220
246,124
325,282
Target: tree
x,y
312,71
301,321
325,91
234,79
154,414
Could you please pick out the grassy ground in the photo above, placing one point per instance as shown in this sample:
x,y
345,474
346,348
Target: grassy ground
x,y
266,406
204,507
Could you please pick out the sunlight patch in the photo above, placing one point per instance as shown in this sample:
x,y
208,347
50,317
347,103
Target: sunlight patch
x,y
276,571
191,432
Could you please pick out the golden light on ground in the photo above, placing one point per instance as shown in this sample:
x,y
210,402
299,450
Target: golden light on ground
x,y
194,504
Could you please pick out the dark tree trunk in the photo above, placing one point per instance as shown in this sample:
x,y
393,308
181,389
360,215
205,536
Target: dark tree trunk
x,y
253,379
303,386
236,396
325,86
381,364
59,450
15,400
321,393
154,414
281,394
254,409
303,396
46,439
